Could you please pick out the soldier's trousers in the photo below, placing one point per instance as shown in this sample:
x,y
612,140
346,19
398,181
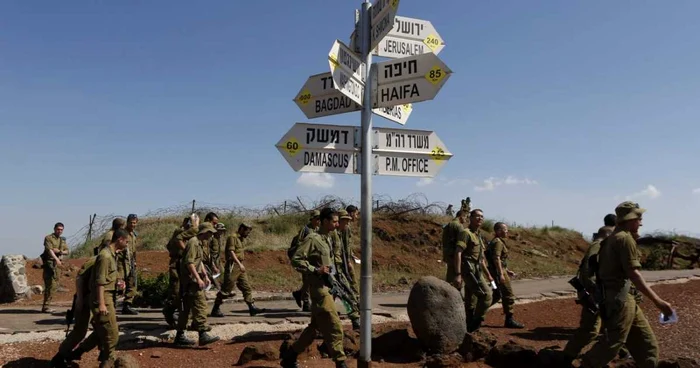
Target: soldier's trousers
x,y
304,288
82,316
173,293
626,324
106,329
234,277
504,294
50,284
195,303
587,331
477,295
324,318
124,273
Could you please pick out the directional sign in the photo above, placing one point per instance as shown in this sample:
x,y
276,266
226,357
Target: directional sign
x,y
403,152
348,71
407,80
320,148
318,98
382,19
409,36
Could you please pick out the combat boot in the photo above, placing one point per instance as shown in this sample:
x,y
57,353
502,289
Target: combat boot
x,y
290,359
58,361
306,307
205,338
341,364
126,309
182,340
168,313
253,310
215,311
297,297
511,323
474,325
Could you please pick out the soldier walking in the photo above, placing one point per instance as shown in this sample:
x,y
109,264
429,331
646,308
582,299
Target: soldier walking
x,y
622,319
193,277
127,265
313,258
55,248
497,257
454,236
176,246
301,296
343,267
235,272
117,223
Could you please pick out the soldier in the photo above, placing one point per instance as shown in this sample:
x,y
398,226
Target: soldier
x,y
454,236
497,257
126,262
341,250
215,248
473,271
346,254
213,219
104,284
313,257
449,211
301,296
175,247
193,277
235,272
81,313
622,319
589,324
55,248
117,223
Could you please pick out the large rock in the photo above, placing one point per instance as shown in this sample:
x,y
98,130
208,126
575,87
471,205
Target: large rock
x,y
13,278
477,345
437,315
512,354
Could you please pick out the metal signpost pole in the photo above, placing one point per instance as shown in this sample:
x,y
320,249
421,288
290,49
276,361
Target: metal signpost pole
x,y
365,360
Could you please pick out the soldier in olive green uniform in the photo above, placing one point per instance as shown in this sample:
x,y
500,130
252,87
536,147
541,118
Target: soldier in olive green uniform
x,y
124,265
474,272
193,278
104,285
497,257
454,236
342,266
175,247
213,219
347,236
215,248
81,314
235,273
622,319
301,296
313,257
55,248
117,223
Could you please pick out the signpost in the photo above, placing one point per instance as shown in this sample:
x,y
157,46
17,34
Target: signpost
x,y
416,74
409,37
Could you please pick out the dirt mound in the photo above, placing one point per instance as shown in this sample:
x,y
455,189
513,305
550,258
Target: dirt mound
x,y
664,251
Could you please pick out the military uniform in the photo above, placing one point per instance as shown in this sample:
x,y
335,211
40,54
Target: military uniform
x,y
234,276
622,319
477,292
347,257
215,253
497,249
302,295
105,240
453,235
194,300
338,251
51,274
315,252
172,301
124,259
105,274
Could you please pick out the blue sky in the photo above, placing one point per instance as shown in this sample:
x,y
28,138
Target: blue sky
x,y
555,111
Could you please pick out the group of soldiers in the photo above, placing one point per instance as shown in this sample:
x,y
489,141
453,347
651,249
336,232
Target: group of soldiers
x,y
609,285
321,251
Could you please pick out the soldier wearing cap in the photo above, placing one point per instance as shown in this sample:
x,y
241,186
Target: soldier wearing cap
x,y
215,248
622,319
125,260
497,259
193,277
343,264
176,246
213,219
301,296
54,248
117,223
235,272
313,257
454,236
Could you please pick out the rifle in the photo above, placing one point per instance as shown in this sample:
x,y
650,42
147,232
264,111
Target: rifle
x,y
342,291
70,314
587,301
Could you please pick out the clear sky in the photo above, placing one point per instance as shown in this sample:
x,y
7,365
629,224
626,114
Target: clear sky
x,y
555,111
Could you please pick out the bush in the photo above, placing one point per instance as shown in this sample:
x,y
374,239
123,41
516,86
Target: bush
x,y
655,259
152,290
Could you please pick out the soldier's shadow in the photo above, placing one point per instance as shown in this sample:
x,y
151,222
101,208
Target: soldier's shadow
x,y
273,313
546,333
27,363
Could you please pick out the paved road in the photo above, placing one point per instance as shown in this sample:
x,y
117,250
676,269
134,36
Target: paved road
x,y
390,305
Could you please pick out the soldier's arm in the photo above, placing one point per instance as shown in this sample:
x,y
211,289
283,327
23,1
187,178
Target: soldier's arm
x,y
460,247
497,252
50,250
629,258
236,246
300,258
101,270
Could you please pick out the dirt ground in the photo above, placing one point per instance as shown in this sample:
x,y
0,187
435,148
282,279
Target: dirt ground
x,y
547,323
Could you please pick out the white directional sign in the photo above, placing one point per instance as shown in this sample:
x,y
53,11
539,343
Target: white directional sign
x,y
407,80
409,36
402,152
320,148
382,19
347,71
318,98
